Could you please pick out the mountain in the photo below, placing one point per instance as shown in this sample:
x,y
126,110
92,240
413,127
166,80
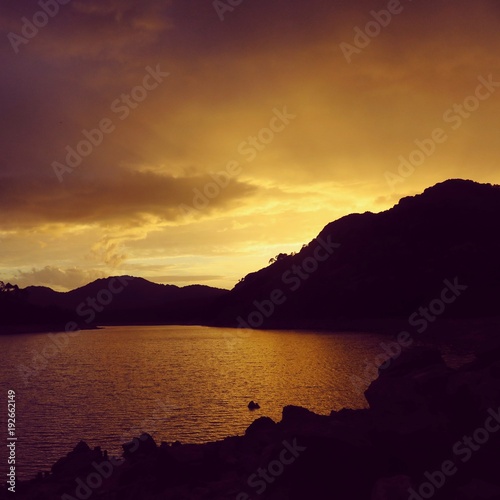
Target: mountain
x,y
434,254
126,291
384,265
18,315
113,300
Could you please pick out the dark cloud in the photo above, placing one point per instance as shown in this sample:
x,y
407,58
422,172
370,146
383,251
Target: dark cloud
x,y
226,77
128,198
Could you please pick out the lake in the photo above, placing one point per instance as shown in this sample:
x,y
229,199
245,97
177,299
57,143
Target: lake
x,y
186,383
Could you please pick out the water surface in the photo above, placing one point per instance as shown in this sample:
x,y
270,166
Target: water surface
x,y
184,383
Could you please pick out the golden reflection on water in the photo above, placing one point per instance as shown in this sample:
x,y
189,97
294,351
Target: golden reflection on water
x,y
185,383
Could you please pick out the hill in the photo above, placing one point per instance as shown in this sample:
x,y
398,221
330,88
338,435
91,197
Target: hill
x,y
433,254
385,265
113,300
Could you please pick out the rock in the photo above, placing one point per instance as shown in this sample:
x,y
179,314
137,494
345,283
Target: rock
x,y
408,395
262,424
293,414
419,408
143,445
295,418
76,462
415,359
473,388
391,488
478,489
300,421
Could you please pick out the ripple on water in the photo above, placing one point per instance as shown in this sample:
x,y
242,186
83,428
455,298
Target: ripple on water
x,y
186,383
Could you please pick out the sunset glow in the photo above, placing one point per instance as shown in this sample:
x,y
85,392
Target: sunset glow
x,y
208,146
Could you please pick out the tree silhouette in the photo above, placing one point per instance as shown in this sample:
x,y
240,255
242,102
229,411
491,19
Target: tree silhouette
x,y
278,257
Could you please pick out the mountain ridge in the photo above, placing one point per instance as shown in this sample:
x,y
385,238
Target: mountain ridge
x,y
387,263
112,300
361,266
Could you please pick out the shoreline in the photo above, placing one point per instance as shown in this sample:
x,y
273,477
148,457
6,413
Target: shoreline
x,y
43,329
449,328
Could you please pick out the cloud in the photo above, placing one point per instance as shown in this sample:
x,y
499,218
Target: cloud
x,y
128,198
108,252
120,207
57,278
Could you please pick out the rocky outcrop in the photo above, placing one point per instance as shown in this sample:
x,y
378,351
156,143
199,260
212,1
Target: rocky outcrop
x,y
430,431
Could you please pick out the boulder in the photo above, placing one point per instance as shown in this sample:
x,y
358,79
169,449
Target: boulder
x,y
261,425
76,462
408,395
391,488
139,446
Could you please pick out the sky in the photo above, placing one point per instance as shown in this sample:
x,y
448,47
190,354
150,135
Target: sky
x,y
189,141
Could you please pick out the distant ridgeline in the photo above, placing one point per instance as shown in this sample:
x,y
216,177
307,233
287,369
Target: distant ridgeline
x,y
114,300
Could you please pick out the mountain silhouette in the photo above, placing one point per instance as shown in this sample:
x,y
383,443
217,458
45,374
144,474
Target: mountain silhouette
x,y
127,292
384,265
113,300
363,266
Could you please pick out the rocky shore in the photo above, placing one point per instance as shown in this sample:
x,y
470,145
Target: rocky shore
x,y
429,432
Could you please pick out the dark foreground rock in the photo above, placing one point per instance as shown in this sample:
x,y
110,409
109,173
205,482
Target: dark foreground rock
x,y
430,432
